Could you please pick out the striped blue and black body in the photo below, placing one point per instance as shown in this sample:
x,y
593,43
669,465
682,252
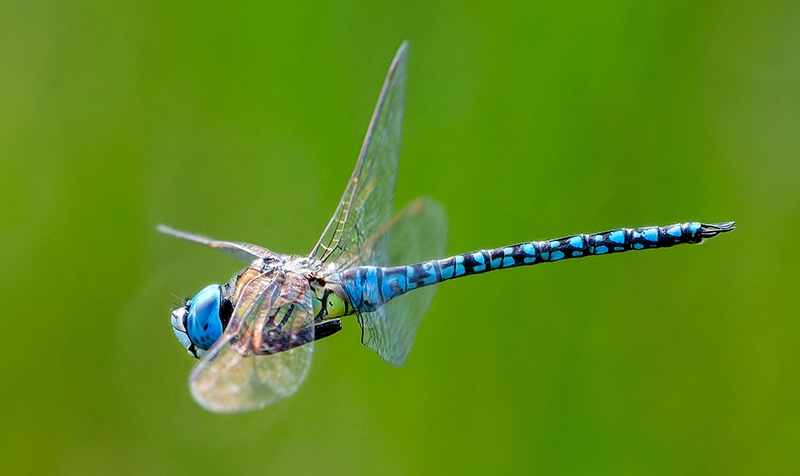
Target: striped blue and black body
x,y
369,287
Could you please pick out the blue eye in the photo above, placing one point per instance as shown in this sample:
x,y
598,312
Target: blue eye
x,y
203,323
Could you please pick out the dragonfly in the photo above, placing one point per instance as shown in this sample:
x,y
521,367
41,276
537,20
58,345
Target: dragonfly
x,y
254,335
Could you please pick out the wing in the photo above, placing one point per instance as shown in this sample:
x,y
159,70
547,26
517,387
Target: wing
x,y
418,233
265,353
243,251
368,199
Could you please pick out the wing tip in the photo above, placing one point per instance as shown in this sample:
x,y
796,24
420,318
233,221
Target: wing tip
x,y
401,57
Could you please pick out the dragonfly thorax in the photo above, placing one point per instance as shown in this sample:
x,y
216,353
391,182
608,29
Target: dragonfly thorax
x,y
301,265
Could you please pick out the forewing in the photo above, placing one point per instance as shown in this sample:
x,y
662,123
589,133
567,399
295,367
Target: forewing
x,y
265,353
368,198
418,233
243,251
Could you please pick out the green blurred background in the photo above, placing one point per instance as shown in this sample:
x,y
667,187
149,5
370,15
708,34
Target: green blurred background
x,y
526,120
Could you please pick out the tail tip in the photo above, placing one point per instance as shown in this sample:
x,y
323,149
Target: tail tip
x,y
708,230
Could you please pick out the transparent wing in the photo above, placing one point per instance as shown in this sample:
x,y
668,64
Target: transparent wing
x,y
243,251
265,353
418,233
368,198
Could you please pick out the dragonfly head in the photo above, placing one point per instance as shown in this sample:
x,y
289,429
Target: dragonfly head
x,y
200,321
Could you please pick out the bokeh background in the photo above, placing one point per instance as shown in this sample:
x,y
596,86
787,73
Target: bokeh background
x,y
526,120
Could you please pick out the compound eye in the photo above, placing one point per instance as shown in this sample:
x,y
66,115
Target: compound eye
x,y
203,322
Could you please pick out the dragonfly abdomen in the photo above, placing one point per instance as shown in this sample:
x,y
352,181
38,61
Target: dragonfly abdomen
x,y
369,287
